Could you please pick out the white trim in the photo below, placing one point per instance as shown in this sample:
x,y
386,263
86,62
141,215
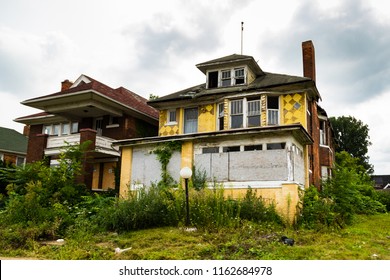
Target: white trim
x,y
251,184
387,186
80,79
112,125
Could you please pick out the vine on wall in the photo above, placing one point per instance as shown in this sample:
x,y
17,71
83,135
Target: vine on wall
x,y
164,152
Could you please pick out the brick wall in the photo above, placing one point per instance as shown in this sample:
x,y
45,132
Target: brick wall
x,y
36,144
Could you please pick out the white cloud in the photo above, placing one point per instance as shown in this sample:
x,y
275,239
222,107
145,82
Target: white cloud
x,y
153,46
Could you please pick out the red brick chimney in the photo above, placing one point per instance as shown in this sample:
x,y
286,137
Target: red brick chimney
x,y
66,85
309,65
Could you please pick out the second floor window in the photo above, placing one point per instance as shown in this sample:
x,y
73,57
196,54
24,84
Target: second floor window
x,y
253,113
323,140
273,110
59,129
221,116
236,113
191,120
245,113
171,118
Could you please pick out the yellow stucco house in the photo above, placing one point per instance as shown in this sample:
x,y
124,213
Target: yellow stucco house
x,y
244,128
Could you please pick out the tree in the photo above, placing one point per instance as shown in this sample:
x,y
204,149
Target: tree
x,y
352,136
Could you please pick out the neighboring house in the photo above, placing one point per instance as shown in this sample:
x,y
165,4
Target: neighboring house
x,y
13,146
88,110
382,182
245,128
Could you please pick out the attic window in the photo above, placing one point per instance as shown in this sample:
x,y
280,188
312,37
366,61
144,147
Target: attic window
x,y
226,78
239,76
213,79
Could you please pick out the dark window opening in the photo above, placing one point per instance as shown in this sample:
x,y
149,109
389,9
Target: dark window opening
x,y
276,146
213,79
210,150
231,149
253,148
273,102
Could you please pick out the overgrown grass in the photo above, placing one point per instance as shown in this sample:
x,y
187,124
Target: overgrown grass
x,y
367,238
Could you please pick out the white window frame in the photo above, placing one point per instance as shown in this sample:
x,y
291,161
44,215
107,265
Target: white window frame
x,y
271,113
253,113
238,112
221,115
225,78
245,113
323,133
185,123
170,120
239,77
49,128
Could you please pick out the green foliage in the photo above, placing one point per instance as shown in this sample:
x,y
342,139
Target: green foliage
x,y
146,208
352,136
349,192
164,153
158,206
198,179
384,198
42,198
253,208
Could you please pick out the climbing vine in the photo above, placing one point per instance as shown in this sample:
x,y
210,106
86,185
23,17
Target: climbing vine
x,y
164,152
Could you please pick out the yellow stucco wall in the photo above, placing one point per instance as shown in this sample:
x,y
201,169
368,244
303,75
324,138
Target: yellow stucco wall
x,y
187,152
126,166
285,198
169,129
207,118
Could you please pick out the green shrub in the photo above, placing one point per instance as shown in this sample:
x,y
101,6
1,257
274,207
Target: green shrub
x,y
349,192
198,179
148,207
41,198
384,198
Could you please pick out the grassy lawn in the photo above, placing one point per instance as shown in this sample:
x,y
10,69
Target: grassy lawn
x,y
368,238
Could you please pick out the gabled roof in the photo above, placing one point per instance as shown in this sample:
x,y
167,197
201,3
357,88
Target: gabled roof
x,y
83,84
12,141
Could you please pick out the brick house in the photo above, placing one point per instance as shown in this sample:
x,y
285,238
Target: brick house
x,y
13,146
243,127
88,110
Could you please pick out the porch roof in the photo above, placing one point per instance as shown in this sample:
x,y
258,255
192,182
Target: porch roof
x,y
296,130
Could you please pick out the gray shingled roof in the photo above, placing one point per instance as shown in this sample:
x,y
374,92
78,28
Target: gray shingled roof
x,y
263,82
12,141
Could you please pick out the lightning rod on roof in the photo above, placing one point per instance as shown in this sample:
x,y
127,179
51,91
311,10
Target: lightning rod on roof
x,y
242,35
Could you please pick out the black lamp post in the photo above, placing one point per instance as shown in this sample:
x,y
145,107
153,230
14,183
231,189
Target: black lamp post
x,y
186,173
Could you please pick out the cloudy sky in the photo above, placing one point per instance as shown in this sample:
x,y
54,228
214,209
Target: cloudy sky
x,y
151,47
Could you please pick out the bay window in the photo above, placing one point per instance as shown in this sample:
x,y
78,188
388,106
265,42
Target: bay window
x,y
236,113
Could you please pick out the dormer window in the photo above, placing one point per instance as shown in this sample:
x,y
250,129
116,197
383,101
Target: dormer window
x,y
226,78
239,76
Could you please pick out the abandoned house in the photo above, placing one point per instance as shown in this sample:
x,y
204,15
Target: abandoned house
x,y
243,127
